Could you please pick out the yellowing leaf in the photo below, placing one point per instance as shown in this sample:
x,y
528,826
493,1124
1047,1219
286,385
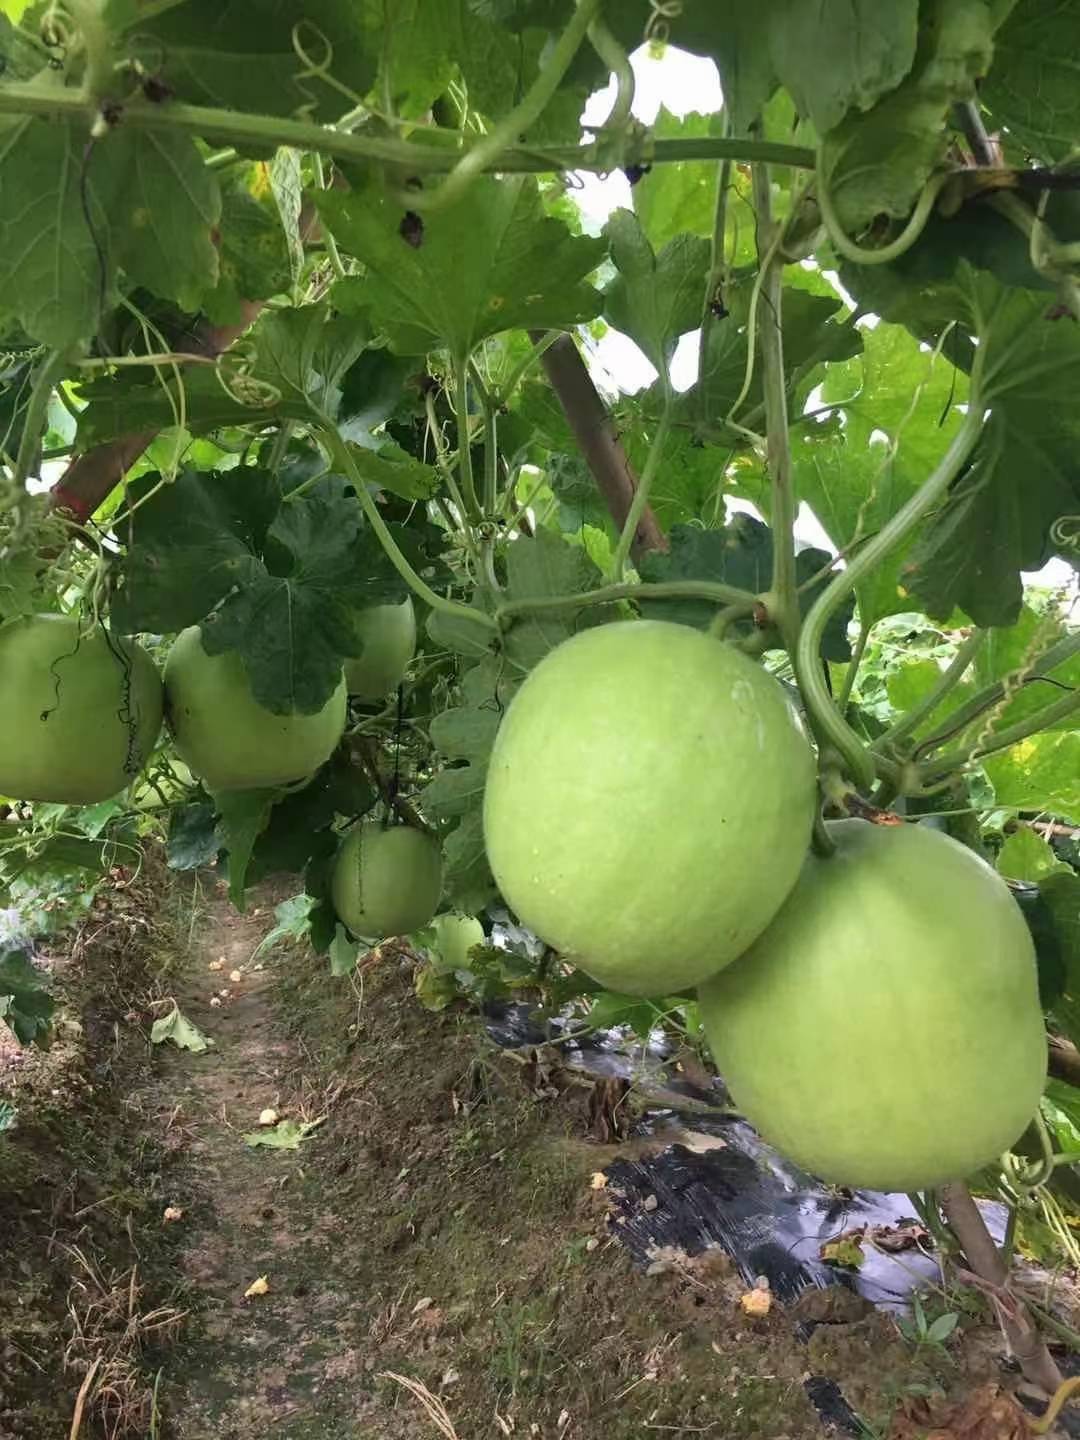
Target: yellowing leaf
x,y
257,1287
598,1181
846,1251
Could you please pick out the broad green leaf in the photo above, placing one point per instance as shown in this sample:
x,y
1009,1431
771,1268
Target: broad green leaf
x,y
1031,89
654,298
304,354
1015,505
488,262
252,55
1002,515
896,402
193,839
26,1006
286,186
359,398
835,56
678,199
814,333
841,55
72,212
611,1009
343,952
119,403
1040,773
300,824
292,620
740,553
293,922
285,1135
164,213
293,364
190,544
545,566
876,164
1061,892
54,270
467,734
257,255
176,1028
466,875
1025,855
391,468
242,817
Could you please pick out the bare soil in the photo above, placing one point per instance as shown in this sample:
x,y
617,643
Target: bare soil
x,y
436,1257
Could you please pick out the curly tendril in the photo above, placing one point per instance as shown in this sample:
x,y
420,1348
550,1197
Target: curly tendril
x,y
233,370
305,34
658,25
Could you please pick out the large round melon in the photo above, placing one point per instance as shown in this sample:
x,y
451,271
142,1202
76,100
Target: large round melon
x,y
386,881
389,636
885,1030
227,738
80,710
649,803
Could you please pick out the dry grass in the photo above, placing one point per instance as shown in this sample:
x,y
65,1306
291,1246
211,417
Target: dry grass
x,y
109,1333
433,1407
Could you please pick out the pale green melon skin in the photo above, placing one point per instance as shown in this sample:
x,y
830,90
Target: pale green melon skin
x,y
389,636
226,737
885,1030
62,698
649,803
455,936
386,881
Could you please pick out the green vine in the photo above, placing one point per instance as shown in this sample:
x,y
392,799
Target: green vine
x,y
826,718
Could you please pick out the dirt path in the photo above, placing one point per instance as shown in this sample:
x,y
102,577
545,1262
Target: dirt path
x,y
446,1225
249,1212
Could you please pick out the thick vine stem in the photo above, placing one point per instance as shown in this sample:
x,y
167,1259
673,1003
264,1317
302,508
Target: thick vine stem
x,y
48,372
485,154
718,593
341,456
825,717
783,603
950,677
491,442
465,465
641,494
1044,719
845,246
618,62
985,1260
431,158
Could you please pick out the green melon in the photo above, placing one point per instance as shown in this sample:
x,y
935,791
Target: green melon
x,y
649,803
455,935
885,1030
389,636
227,738
81,710
386,881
